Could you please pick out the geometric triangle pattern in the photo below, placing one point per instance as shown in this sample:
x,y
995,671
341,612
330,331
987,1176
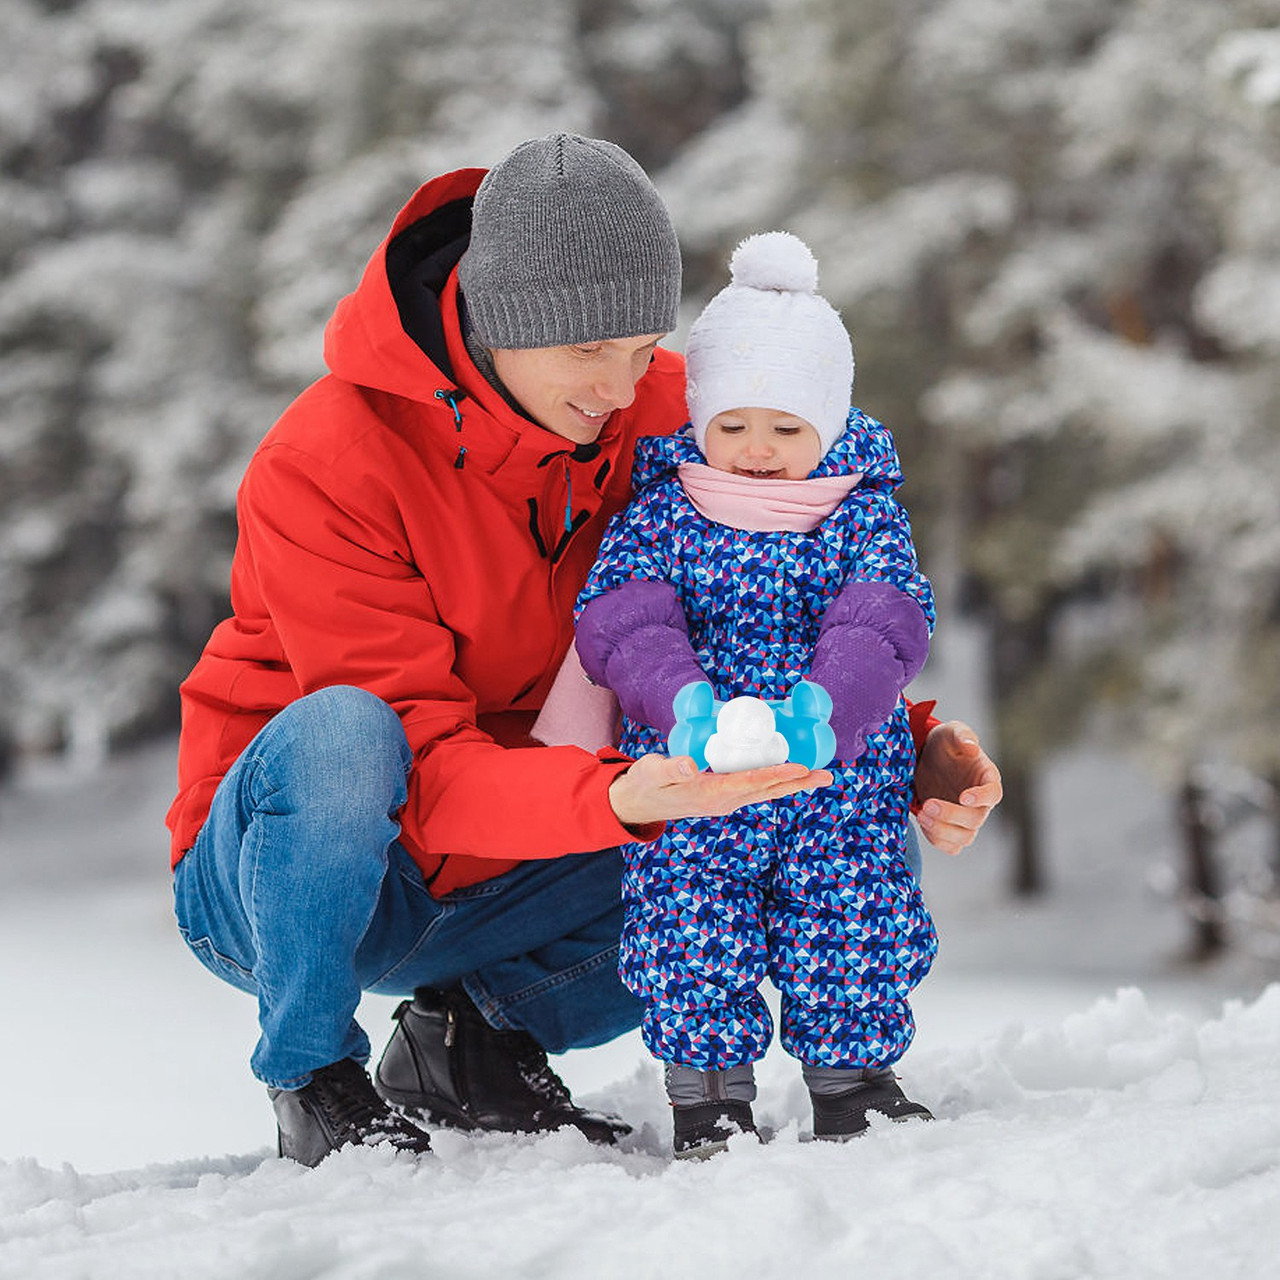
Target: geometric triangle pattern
x,y
811,892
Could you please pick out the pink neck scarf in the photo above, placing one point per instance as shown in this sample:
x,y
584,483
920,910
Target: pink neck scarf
x,y
741,502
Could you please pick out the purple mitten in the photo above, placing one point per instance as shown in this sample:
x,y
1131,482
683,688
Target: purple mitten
x,y
635,641
872,643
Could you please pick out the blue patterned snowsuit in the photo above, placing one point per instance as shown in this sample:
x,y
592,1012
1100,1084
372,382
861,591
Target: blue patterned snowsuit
x,y
811,891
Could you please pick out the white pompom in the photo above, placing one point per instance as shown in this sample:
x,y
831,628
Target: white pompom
x,y
775,260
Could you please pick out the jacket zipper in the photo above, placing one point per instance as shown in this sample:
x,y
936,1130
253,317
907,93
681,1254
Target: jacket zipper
x,y
571,523
453,399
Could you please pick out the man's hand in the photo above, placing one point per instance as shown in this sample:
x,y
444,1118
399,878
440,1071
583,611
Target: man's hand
x,y
658,788
958,785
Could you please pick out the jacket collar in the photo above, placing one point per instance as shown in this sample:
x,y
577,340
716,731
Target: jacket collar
x,y
366,342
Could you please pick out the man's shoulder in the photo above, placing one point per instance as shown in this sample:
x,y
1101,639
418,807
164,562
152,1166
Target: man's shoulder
x,y
333,419
667,361
326,410
345,441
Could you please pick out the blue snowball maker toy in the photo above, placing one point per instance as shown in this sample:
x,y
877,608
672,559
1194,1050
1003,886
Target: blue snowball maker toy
x,y
802,719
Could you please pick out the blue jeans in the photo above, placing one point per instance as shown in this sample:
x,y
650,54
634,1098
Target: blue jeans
x,y
298,891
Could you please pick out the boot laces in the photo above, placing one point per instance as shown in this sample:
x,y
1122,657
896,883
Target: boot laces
x,y
536,1072
355,1110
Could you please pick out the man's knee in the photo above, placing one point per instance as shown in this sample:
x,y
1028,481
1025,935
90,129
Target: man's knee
x,y
344,713
341,718
344,741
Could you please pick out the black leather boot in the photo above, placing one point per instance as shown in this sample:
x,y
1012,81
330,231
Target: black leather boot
x,y
843,1115
339,1108
446,1064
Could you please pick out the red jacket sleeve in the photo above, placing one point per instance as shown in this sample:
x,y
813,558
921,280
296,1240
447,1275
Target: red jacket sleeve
x,y
921,719
350,608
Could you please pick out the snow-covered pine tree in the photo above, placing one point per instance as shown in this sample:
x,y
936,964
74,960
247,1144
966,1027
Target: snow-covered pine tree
x,y
187,191
1145,352
1051,228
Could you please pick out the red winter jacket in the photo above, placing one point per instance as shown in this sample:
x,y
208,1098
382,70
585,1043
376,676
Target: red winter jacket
x,y
403,529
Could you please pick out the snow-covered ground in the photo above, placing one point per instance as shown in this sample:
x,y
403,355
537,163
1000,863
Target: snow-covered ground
x,y
1103,1110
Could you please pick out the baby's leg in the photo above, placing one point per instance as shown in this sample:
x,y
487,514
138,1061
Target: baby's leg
x,y
709,1107
846,1098
849,940
694,951
694,947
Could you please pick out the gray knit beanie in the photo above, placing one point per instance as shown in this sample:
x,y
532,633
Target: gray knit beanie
x,y
570,242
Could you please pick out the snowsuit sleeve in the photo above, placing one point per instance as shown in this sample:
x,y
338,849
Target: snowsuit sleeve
x,y
874,637
632,635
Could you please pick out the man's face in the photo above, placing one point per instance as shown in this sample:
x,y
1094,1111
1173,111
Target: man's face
x,y
573,390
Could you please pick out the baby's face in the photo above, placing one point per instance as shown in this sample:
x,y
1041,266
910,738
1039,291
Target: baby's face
x,y
765,444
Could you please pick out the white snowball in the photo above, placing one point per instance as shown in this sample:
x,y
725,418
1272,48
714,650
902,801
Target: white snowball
x,y
745,737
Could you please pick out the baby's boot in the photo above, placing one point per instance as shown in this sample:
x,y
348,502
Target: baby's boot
x,y
709,1108
845,1098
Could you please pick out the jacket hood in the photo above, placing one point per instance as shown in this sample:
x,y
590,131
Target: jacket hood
x,y
389,333
865,446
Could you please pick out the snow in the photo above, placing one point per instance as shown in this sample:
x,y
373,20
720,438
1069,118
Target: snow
x,y
1102,1109
874,249
746,737
1239,301
1253,58
1121,1143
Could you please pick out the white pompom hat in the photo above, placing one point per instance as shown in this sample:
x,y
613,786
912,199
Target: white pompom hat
x,y
769,341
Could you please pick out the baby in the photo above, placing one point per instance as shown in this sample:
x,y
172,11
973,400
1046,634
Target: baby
x,y
763,547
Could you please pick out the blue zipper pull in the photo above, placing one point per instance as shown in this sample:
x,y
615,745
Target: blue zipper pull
x,y
568,498
452,398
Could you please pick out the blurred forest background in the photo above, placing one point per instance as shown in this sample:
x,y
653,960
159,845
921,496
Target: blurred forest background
x,y
1053,227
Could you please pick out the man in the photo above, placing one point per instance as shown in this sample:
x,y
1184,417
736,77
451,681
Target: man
x,y
360,806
